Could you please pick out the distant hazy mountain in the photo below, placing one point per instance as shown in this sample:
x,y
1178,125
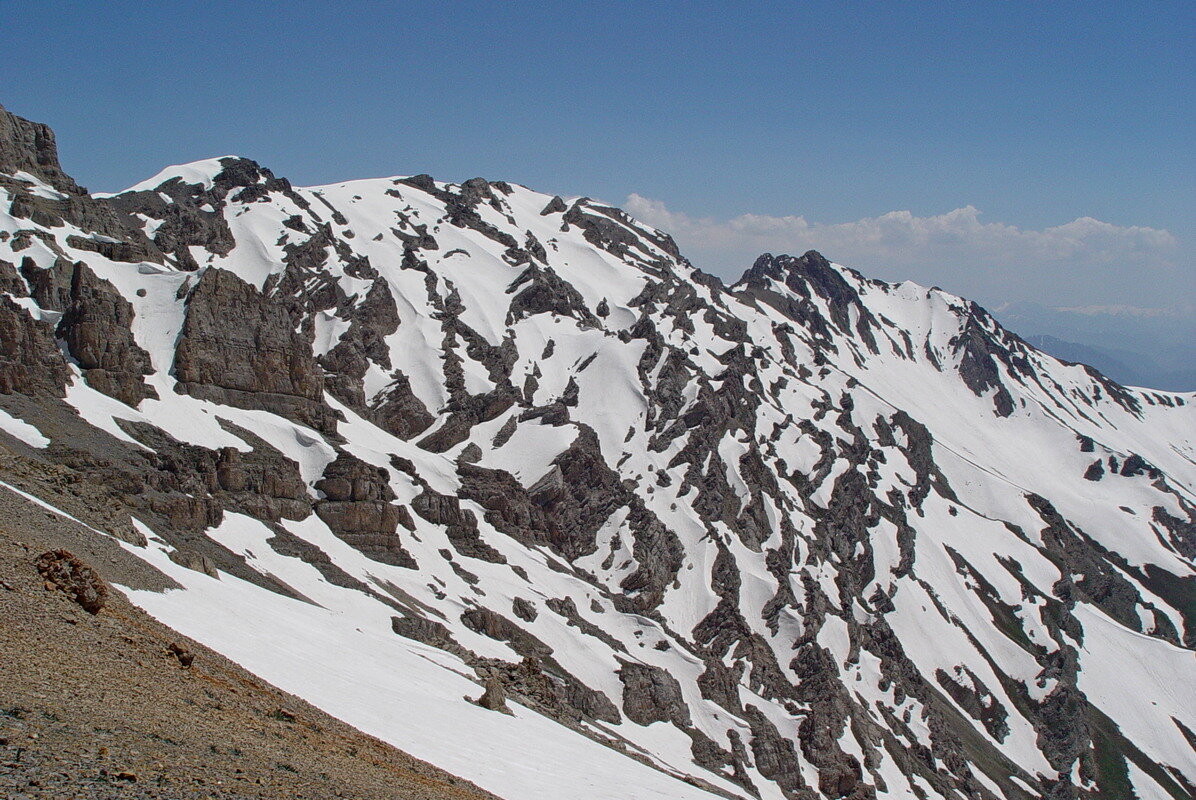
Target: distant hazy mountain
x,y
1135,347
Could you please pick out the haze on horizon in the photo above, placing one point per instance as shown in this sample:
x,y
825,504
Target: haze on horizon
x,y
1037,159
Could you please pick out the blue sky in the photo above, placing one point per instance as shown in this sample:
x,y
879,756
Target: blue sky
x,y
1008,151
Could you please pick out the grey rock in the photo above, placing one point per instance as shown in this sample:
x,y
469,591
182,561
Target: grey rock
x,y
239,349
494,698
30,362
651,694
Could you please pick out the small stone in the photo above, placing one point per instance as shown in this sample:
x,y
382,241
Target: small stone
x,y
186,657
126,775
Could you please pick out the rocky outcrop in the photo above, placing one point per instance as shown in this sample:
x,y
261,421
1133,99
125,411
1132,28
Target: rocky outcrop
x,y
96,326
494,698
370,321
198,481
195,561
613,230
62,570
397,410
358,506
496,626
563,509
810,276
650,694
31,148
1180,532
30,362
1096,579
239,349
461,526
978,365
775,755
190,215
539,290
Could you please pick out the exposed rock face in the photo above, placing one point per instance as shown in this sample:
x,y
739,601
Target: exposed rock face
x,y
563,509
541,291
614,231
30,148
397,410
524,610
843,538
267,484
195,561
775,755
239,349
96,326
496,626
373,319
357,507
652,695
543,685
810,280
978,366
809,276
190,484
30,362
191,216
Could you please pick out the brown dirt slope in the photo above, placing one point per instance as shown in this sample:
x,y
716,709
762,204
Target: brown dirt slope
x,y
102,706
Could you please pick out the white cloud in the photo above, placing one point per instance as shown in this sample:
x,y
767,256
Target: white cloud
x,y
956,249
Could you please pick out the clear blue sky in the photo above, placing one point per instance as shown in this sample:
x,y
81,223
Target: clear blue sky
x,y
1036,114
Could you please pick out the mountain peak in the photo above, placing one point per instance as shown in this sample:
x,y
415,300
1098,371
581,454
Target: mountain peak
x,y
30,147
779,267
227,172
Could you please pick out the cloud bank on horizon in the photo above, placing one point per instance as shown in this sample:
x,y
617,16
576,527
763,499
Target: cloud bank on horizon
x,y
1085,263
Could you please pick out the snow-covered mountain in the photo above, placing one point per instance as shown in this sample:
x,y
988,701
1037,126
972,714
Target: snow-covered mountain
x,y
807,535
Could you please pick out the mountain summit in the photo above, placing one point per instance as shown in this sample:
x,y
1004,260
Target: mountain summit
x,y
397,441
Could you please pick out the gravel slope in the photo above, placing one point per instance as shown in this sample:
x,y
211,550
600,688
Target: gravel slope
x,y
97,706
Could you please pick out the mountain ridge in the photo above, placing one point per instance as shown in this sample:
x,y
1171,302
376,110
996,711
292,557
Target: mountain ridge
x,y
806,535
